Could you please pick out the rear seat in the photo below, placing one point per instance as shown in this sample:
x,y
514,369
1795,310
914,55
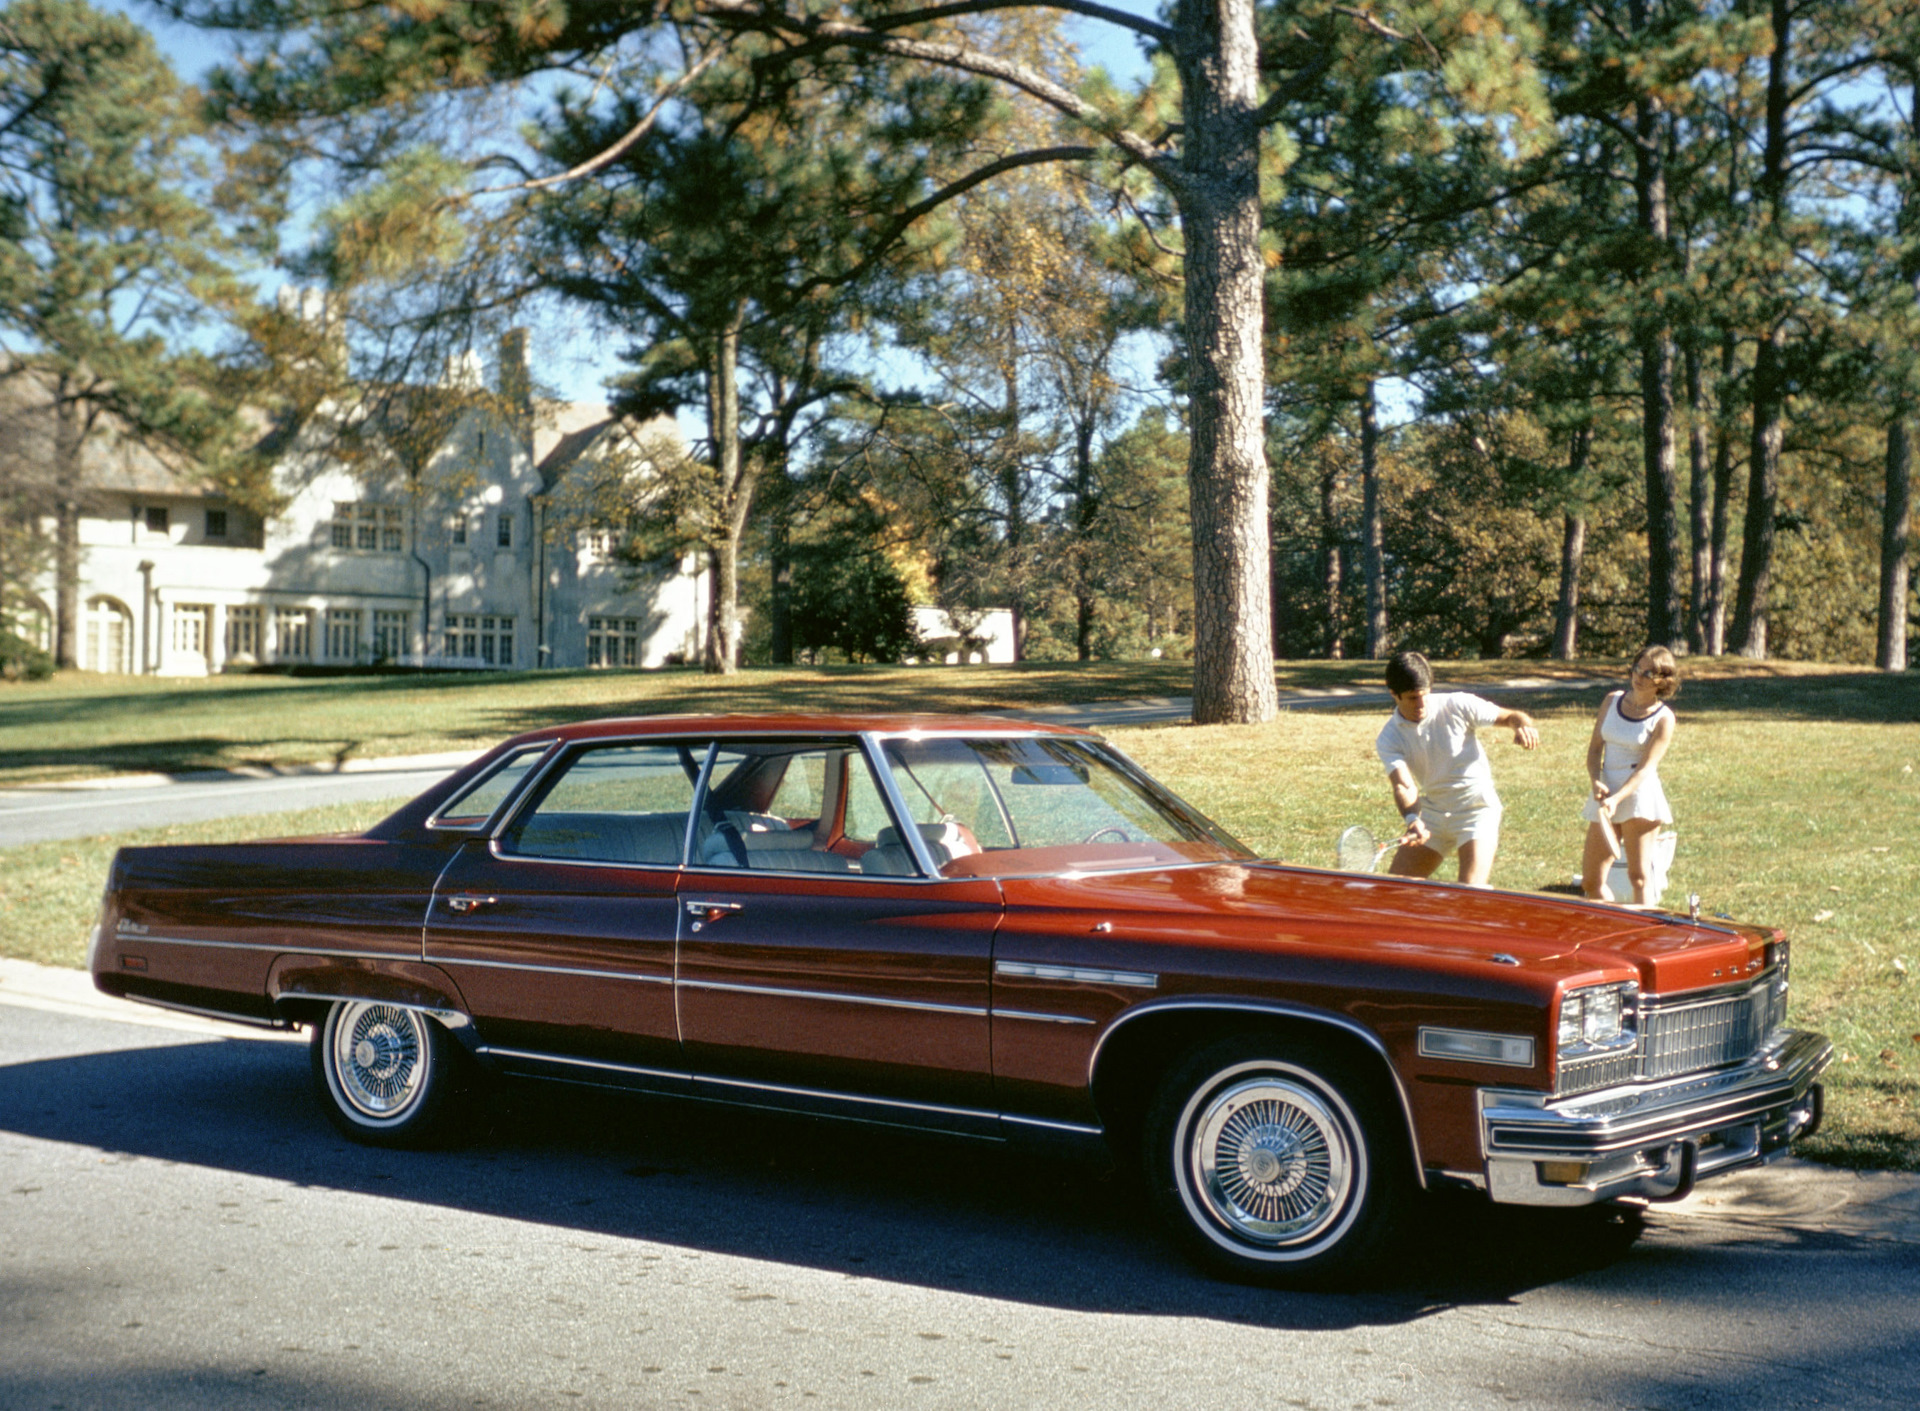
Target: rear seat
x,y
772,850
605,837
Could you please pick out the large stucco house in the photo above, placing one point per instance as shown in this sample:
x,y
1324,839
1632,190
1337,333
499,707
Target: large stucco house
x,y
487,544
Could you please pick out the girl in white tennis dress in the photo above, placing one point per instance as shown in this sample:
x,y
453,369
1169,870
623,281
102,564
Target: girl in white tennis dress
x,y
1632,732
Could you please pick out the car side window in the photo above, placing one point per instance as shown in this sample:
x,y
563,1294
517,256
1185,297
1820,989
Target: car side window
x,y
779,806
612,803
481,799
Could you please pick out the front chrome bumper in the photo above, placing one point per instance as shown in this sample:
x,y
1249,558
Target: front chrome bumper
x,y
1653,1140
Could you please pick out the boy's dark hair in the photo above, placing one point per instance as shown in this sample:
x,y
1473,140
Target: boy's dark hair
x,y
1408,671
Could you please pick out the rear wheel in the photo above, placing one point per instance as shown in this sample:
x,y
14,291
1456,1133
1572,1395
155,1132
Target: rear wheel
x,y
387,1074
1274,1163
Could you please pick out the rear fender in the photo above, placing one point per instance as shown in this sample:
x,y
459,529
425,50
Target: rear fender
x,y
302,987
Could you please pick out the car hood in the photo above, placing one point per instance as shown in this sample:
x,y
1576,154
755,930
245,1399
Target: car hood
x,y
1271,905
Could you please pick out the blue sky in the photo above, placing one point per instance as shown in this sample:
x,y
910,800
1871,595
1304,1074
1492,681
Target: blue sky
x,y
576,364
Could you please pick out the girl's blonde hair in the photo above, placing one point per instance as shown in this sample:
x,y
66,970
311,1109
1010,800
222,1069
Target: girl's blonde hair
x,y
1663,669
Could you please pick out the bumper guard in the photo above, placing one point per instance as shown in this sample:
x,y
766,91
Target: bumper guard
x,y
1656,1140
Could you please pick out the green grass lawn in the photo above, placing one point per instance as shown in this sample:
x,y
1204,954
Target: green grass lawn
x,y
79,725
1797,793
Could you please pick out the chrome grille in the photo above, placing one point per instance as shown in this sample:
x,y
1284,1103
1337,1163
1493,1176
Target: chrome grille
x,y
1683,1037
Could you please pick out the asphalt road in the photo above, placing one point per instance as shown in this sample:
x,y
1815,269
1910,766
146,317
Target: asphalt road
x,y
179,1227
45,813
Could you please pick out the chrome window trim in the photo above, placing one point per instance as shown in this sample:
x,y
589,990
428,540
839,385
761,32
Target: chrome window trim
x,y
1081,974
548,751
517,802
523,859
873,748
836,997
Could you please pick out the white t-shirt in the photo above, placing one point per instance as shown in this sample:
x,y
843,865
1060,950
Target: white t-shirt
x,y
1442,752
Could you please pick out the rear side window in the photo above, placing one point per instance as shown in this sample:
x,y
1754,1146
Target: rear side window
x,y
613,803
480,800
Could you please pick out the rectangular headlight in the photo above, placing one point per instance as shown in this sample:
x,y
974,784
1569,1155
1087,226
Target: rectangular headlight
x,y
1597,1019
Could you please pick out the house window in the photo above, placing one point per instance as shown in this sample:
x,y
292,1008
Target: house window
x,y
460,529
390,633
190,629
243,632
375,528
488,639
600,542
156,519
613,641
343,634
293,634
216,524
506,529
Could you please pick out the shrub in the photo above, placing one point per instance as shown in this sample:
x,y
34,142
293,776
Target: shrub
x,y
21,660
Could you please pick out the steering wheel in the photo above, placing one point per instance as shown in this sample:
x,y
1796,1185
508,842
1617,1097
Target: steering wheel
x,y
1114,828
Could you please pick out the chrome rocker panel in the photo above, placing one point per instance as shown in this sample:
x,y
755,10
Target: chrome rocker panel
x,y
1655,1140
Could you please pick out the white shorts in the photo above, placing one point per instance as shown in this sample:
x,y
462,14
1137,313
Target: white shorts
x,y
1448,829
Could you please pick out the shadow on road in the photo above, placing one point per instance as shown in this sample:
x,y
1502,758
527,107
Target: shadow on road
x,y
908,1208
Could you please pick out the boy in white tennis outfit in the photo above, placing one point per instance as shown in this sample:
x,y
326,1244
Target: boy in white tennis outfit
x,y
1441,779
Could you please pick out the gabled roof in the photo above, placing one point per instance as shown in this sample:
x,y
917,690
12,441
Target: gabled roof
x,y
111,462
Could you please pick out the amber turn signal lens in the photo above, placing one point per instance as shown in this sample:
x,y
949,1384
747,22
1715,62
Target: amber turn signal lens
x,y
1563,1173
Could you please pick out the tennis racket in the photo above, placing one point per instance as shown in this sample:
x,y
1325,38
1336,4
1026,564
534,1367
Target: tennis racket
x,y
1358,852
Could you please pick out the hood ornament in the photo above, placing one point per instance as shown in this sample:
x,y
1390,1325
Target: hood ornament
x,y
1693,907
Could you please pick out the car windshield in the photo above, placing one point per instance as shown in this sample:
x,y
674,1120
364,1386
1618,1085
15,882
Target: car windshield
x,y
1001,806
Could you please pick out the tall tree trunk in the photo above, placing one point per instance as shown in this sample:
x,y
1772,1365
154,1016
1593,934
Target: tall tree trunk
x,y
1895,525
1769,375
1656,369
69,436
1566,615
1086,507
1699,502
1373,538
1573,548
778,504
1722,508
1227,476
722,656
1330,559
1013,492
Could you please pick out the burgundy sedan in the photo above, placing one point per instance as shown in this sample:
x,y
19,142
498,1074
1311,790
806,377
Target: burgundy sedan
x,y
995,929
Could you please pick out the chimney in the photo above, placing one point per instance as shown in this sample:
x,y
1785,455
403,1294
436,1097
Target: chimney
x,y
516,382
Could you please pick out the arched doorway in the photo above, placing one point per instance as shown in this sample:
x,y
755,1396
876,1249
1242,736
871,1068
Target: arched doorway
x,y
108,642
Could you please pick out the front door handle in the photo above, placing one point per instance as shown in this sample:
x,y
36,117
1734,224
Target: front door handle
x,y
705,912
464,903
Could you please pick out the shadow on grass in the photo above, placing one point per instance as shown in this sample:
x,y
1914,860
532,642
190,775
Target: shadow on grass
x,y
933,1212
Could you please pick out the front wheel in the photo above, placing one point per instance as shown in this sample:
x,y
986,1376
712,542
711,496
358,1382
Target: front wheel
x,y
385,1073
1275,1164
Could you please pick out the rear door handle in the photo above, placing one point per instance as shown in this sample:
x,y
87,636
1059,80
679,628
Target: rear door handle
x,y
705,912
464,902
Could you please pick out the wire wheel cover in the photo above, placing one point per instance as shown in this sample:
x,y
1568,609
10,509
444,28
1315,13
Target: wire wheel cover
x,y
379,1059
1271,1161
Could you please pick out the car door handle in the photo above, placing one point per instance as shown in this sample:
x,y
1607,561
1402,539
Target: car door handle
x,y
704,912
463,903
